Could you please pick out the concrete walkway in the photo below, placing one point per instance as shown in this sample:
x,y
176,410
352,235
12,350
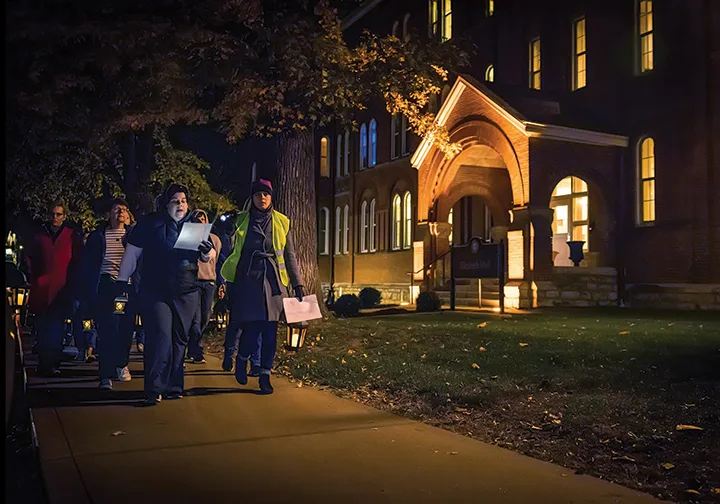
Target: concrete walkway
x,y
226,444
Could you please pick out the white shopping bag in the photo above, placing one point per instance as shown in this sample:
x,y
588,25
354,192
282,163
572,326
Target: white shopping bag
x,y
297,311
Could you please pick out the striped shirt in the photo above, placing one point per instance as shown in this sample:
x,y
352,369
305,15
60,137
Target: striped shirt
x,y
114,250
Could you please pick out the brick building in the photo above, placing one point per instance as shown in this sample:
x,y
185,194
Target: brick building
x,y
579,120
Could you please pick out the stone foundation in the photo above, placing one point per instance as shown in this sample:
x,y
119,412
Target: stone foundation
x,y
391,293
580,287
674,296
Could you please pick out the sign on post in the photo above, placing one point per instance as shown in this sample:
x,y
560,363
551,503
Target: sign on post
x,y
476,259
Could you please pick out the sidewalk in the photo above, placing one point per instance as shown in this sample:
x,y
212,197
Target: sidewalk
x,y
224,443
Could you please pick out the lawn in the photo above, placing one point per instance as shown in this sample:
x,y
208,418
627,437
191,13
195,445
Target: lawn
x,y
598,391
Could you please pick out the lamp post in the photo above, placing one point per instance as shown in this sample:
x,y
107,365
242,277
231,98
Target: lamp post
x,y
295,335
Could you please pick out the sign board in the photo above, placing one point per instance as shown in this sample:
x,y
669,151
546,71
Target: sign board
x,y
476,260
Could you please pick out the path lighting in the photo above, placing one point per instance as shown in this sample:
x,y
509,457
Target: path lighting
x,y
295,336
120,303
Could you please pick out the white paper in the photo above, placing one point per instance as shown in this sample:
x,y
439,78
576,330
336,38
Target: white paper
x,y
297,311
191,234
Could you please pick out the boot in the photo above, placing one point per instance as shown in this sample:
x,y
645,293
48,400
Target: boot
x,y
227,364
265,387
241,370
254,371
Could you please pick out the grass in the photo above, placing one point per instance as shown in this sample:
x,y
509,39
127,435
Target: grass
x,y
599,391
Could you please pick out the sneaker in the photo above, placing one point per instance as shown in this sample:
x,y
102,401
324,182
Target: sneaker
x,y
227,365
106,384
140,348
173,396
198,360
91,357
124,374
265,387
184,367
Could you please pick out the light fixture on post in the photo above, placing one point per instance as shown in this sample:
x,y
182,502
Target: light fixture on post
x,y
120,304
295,335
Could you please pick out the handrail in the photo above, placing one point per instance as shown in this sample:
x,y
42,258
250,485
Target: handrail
x,y
430,263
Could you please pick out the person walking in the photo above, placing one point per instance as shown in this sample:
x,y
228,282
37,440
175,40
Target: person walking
x,y
169,294
261,268
207,275
103,253
54,258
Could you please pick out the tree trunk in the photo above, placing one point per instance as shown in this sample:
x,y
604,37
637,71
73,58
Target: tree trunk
x,y
295,197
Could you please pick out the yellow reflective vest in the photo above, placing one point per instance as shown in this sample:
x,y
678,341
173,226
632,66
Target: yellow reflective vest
x,y
280,228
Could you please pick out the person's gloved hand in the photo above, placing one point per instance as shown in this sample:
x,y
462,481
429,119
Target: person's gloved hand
x,y
205,247
299,293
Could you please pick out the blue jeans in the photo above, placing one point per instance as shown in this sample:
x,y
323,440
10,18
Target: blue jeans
x,y
50,333
207,291
114,331
262,336
233,335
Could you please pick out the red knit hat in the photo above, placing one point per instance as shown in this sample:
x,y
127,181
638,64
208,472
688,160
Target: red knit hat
x,y
262,185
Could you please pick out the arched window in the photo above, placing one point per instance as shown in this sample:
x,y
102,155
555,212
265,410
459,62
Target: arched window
x,y
396,238
395,28
373,142
363,227
324,231
346,229
571,218
490,74
338,230
324,157
647,181
338,157
373,226
407,219
346,164
363,147
406,27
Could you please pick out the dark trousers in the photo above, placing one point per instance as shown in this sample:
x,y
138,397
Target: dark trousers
x,y
207,292
167,323
232,338
114,331
50,334
259,335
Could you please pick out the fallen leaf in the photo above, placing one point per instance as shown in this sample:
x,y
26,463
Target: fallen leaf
x,y
557,421
691,491
535,427
667,466
681,427
624,332
475,366
343,360
119,433
317,338
460,410
300,384
482,324
350,351
624,458
452,453
423,356
494,377
524,344
482,348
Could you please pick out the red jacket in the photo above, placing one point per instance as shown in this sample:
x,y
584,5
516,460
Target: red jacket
x,y
54,267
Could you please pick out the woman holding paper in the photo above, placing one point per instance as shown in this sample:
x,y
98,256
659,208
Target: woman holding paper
x,y
262,266
169,294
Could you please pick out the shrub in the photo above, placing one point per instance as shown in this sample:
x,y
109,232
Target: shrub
x,y
370,297
347,305
428,301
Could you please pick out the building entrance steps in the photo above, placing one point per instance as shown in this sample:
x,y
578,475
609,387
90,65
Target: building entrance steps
x,y
223,442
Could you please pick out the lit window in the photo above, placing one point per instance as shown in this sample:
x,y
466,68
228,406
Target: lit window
x,y
346,164
346,229
440,18
647,180
580,51
570,203
338,230
407,209
490,74
535,64
646,35
338,157
324,154
396,222
364,227
396,132
324,231
363,147
373,142
373,226
489,7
